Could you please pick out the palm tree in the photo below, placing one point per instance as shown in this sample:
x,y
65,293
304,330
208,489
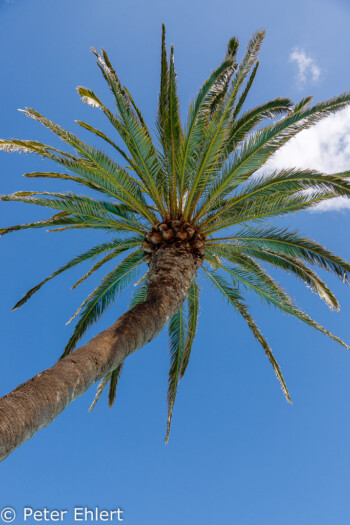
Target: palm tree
x,y
194,202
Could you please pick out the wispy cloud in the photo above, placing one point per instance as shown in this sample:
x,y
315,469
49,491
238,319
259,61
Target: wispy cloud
x,y
308,70
324,147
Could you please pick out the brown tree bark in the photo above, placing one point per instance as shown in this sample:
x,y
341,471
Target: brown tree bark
x,y
37,402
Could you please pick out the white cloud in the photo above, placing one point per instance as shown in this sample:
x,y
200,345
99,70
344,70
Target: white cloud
x,y
324,147
307,67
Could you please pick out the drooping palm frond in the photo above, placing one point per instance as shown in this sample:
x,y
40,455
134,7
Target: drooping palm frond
x,y
234,297
285,262
192,321
103,296
181,330
177,336
111,255
187,186
291,243
251,276
116,247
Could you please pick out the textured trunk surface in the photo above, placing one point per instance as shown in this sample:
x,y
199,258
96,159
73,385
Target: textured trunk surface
x,y
34,404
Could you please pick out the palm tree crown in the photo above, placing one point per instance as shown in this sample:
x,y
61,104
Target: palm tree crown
x,y
198,189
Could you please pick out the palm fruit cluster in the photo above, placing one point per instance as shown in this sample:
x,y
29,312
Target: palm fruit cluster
x,y
175,232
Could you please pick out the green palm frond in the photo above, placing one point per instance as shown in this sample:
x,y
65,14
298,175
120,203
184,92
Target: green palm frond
x,y
222,84
217,131
137,140
108,173
254,278
291,243
97,172
163,102
253,117
117,245
192,321
225,215
80,168
103,136
56,220
169,129
139,295
177,337
292,181
213,90
111,255
304,102
245,92
285,262
138,113
182,330
254,153
89,97
103,296
233,296
173,136
97,211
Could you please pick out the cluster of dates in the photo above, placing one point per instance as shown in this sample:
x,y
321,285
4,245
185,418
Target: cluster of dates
x,y
175,232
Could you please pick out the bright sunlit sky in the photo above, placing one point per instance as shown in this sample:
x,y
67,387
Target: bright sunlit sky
x,y
238,453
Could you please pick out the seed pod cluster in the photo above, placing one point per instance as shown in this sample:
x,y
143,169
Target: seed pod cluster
x,y
175,232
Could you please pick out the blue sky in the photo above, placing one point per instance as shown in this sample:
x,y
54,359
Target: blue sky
x,y
238,453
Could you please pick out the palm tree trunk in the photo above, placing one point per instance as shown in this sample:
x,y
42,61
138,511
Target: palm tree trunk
x,y
37,402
